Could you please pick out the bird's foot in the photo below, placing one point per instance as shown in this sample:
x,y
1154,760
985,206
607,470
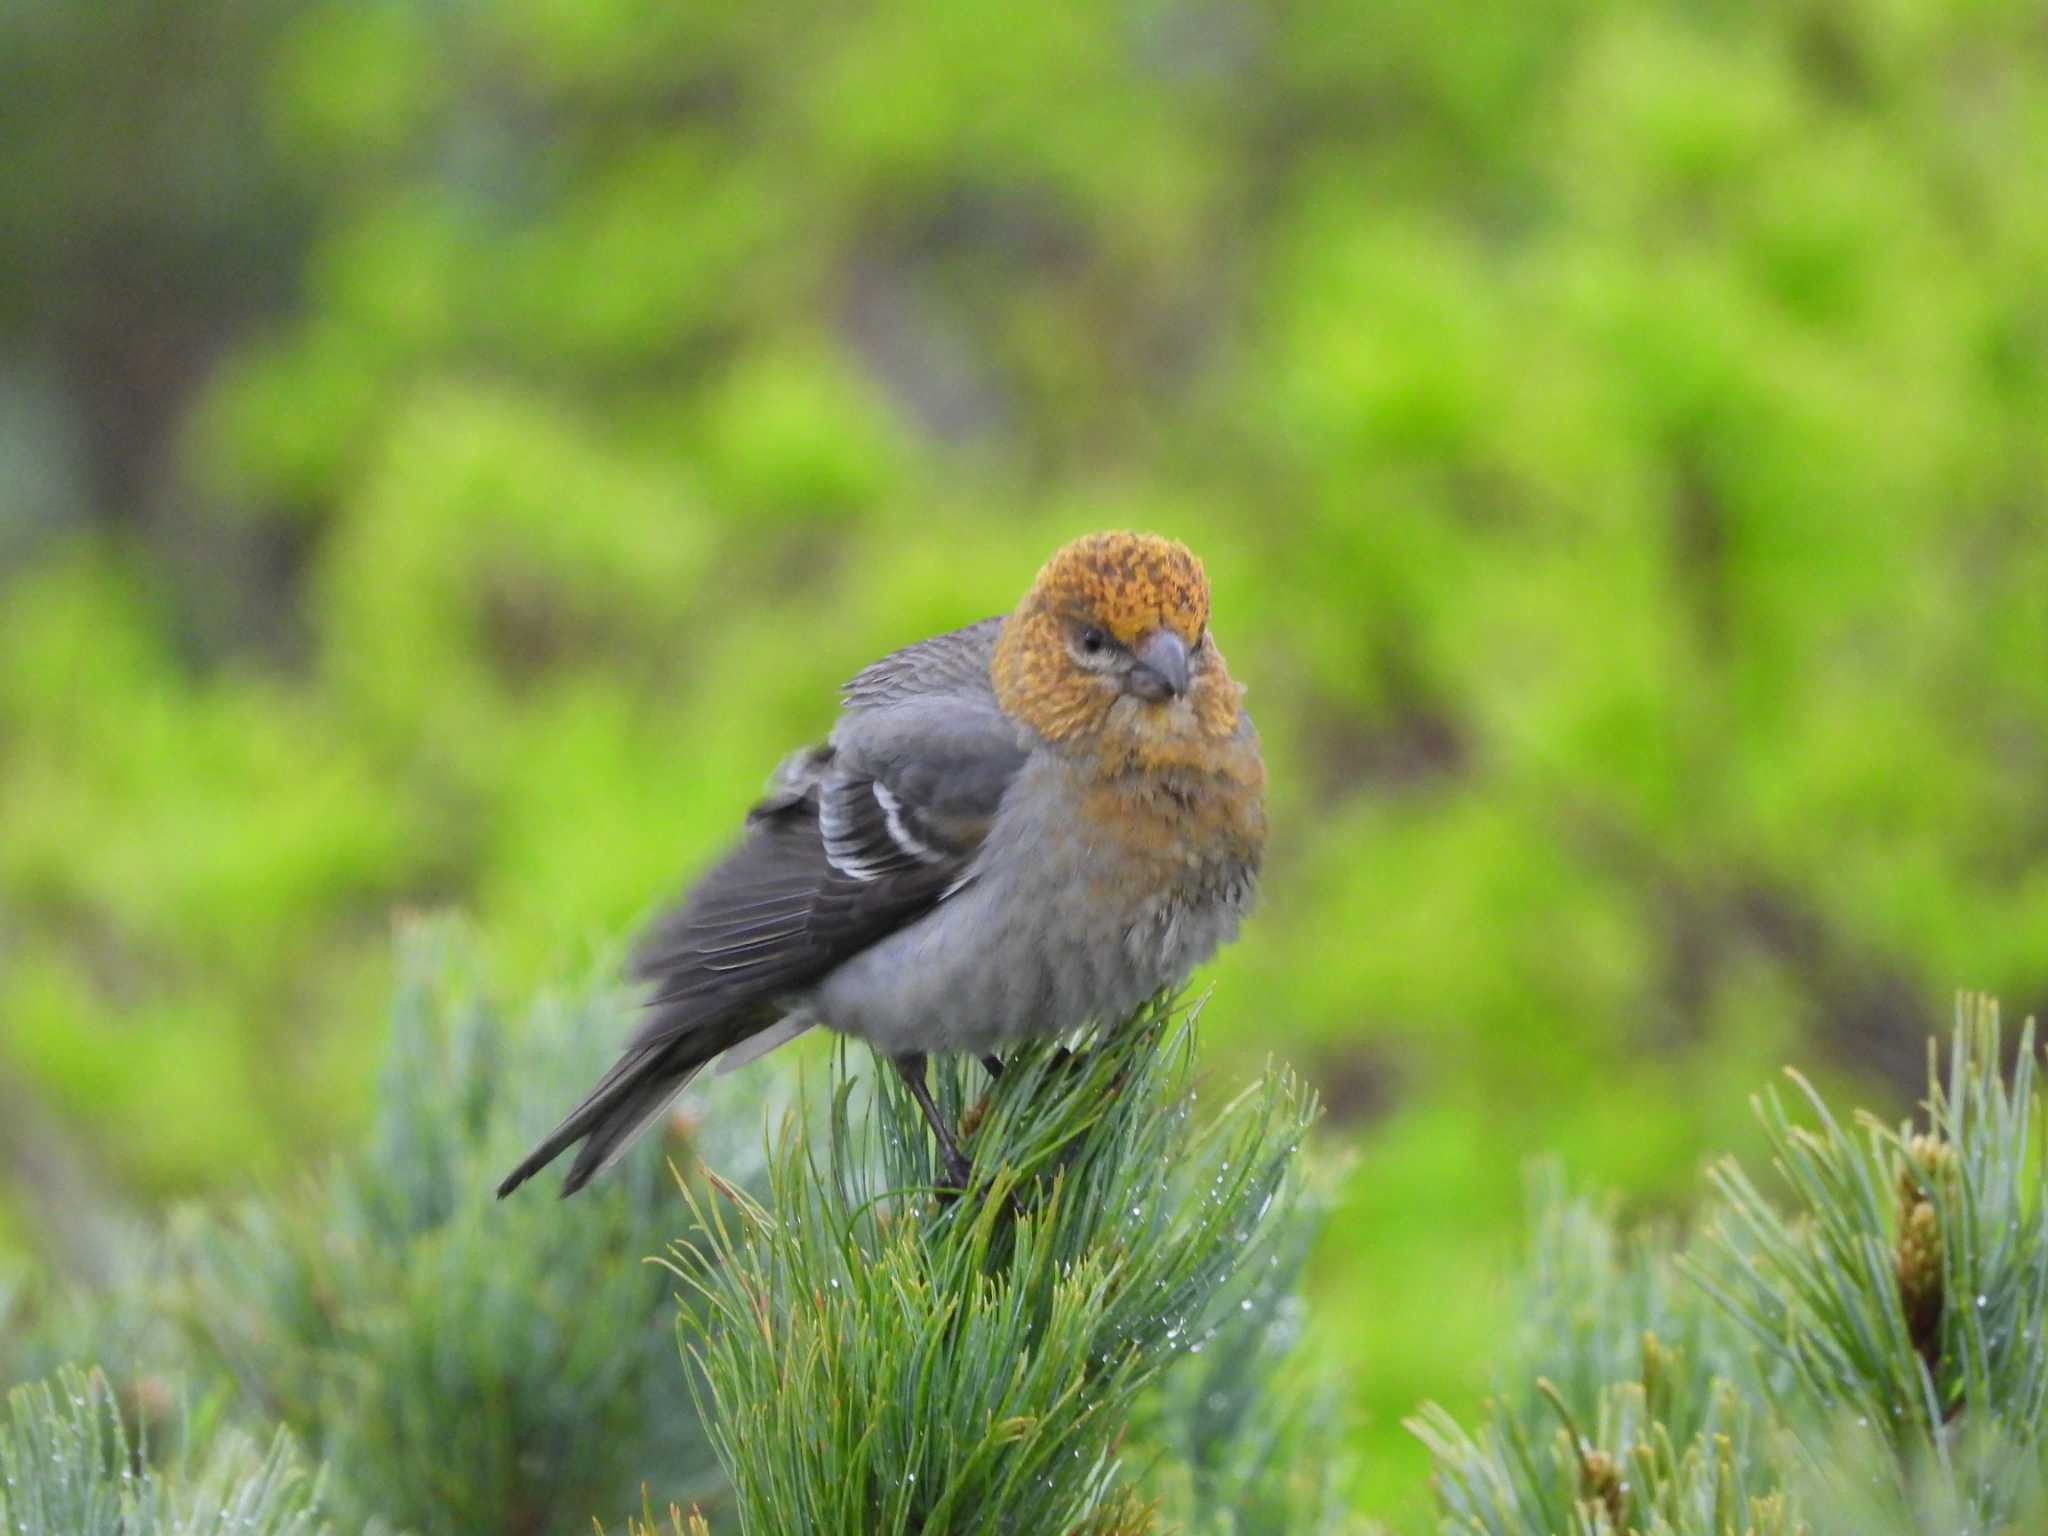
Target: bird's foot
x,y
959,1171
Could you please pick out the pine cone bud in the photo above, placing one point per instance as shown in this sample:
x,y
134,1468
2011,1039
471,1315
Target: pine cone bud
x,y
1929,1165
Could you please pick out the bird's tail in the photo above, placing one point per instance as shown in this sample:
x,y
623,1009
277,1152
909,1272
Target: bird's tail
x,y
630,1098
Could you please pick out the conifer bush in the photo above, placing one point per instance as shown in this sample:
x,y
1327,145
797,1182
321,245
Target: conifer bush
x,y
1863,1353
466,1364
1025,1357
1101,1335
69,1467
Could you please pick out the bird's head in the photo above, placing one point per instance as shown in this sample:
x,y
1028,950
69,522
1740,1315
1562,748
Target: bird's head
x,y
1110,649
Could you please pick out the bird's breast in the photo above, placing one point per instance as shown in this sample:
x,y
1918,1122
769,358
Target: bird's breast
x,y
1171,827
1077,909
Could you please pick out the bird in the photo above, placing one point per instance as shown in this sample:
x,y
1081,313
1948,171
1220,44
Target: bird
x,y
1013,830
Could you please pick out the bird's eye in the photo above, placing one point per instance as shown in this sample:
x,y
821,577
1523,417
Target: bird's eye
x,y
1094,641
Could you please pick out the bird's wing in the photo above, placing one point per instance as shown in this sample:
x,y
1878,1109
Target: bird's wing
x,y
956,663
819,876
854,839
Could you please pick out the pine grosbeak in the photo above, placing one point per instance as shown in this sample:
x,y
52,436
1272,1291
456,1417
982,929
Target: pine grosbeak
x,y
1014,829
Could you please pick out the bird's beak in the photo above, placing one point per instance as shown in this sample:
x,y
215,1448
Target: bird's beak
x,y
1162,669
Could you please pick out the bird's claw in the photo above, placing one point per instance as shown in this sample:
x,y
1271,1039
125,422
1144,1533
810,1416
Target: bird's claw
x,y
959,1171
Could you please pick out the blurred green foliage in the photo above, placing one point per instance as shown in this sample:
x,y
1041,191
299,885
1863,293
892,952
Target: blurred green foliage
x,y
449,452
458,1364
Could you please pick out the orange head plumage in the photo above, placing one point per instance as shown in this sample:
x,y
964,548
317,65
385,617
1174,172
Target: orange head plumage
x,y
1110,651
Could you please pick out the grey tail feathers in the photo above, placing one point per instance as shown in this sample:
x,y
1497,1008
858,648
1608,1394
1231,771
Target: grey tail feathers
x,y
629,1099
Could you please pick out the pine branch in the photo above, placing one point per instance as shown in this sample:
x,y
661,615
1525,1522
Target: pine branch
x,y
1247,1438
465,1364
1626,1404
1871,1362
1908,1293
880,1358
69,1468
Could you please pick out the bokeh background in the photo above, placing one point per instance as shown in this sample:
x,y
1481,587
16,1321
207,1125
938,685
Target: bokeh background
x,y
449,451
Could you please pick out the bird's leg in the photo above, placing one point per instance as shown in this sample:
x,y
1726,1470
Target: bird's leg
x,y
958,1169
993,1066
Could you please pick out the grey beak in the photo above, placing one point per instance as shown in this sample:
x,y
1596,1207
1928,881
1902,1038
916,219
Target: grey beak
x,y
1162,669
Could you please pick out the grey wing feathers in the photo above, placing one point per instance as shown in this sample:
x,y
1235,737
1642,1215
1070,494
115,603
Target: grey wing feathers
x,y
955,662
853,840
812,883
923,723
